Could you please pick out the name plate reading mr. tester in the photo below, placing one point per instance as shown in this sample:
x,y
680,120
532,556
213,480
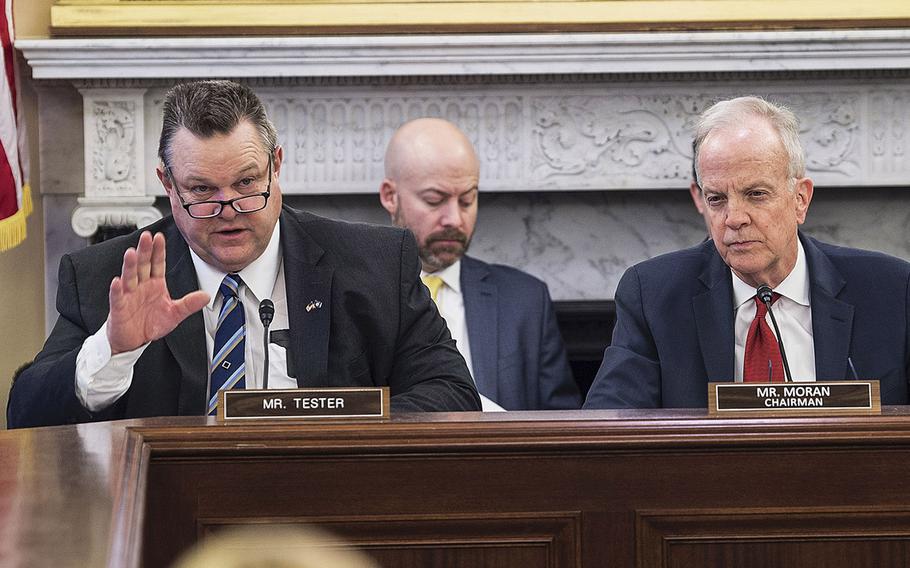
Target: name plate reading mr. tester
x,y
795,399
304,404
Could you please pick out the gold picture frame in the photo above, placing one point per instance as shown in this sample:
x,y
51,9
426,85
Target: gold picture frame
x,y
306,17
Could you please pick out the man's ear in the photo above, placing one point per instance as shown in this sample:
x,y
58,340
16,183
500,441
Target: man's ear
x,y
164,179
277,160
804,190
388,196
695,192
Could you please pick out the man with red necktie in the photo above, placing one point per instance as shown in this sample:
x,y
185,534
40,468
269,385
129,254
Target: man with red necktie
x,y
692,316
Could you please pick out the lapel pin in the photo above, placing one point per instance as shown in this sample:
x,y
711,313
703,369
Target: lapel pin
x,y
314,305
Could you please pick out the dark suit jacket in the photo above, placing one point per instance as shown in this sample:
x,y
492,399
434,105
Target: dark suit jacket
x,y
518,356
377,327
674,326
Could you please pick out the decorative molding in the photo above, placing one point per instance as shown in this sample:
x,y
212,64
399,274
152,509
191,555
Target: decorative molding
x,y
117,212
469,54
557,112
572,137
114,154
113,125
394,82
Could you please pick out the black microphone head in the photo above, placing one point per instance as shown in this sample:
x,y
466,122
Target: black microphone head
x,y
266,312
764,293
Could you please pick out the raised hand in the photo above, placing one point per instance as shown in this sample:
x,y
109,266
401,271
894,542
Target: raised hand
x,y
142,309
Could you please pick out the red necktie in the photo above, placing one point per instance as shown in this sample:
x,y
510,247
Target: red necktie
x,y
761,347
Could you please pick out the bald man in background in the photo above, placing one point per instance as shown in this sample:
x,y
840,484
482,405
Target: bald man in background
x,y
501,318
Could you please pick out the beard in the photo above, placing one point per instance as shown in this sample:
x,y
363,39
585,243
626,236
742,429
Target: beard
x,y
436,254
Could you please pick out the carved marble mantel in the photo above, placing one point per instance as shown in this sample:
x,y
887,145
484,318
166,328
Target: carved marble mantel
x,y
547,112
114,150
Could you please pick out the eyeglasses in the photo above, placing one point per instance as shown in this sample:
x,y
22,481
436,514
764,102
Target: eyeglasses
x,y
212,208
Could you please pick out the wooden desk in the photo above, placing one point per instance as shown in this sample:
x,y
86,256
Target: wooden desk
x,y
591,489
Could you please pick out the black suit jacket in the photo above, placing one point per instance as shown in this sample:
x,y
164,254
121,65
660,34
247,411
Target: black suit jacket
x,y
674,326
377,326
517,351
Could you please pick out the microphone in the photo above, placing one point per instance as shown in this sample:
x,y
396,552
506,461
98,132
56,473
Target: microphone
x,y
266,314
852,369
765,294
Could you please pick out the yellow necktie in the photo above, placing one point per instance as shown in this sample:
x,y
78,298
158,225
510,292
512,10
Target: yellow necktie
x,y
434,283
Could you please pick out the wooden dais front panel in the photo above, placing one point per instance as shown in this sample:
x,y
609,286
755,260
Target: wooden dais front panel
x,y
585,489
556,489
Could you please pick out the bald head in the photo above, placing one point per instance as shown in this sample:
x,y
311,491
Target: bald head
x,y
427,144
430,187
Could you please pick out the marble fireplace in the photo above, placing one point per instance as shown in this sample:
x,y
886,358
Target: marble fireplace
x,y
584,138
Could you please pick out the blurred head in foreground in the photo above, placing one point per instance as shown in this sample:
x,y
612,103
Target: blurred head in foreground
x,y
274,547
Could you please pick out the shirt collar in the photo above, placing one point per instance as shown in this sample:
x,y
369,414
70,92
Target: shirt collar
x,y
259,276
451,275
795,286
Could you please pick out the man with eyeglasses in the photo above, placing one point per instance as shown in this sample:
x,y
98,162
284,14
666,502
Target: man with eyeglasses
x,y
156,322
693,316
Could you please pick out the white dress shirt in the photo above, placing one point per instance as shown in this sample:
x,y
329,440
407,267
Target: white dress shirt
x,y
794,318
450,301
101,379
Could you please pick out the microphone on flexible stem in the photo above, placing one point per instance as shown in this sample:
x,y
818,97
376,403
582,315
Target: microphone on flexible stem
x,y
852,369
266,314
765,294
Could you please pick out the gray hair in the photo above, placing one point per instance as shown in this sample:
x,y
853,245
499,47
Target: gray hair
x,y
209,108
733,111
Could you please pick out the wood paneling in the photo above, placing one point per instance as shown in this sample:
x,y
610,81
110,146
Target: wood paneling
x,y
536,539
555,489
783,537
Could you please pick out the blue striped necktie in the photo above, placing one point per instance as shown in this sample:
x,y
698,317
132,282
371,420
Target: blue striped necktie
x,y
228,368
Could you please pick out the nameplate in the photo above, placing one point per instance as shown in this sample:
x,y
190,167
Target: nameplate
x,y
795,399
304,404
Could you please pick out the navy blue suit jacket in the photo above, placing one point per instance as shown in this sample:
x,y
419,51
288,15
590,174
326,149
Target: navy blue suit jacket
x,y
674,326
518,355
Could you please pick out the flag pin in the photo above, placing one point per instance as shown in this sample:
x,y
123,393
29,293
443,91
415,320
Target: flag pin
x,y
314,305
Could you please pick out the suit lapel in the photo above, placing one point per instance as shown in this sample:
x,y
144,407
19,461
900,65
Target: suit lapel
x,y
714,317
832,319
309,296
481,317
187,341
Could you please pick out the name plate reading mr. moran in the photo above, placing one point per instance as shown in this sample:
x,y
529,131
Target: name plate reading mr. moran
x,y
304,404
795,399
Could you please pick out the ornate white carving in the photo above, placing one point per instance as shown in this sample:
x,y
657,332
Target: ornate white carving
x,y
118,212
114,151
584,141
830,125
114,142
579,134
538,131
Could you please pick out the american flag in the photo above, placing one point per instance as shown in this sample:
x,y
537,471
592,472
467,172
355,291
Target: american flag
x,y
15,194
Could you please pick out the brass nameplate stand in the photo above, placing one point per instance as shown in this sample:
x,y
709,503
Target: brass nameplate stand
x,y
304,404
821,398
